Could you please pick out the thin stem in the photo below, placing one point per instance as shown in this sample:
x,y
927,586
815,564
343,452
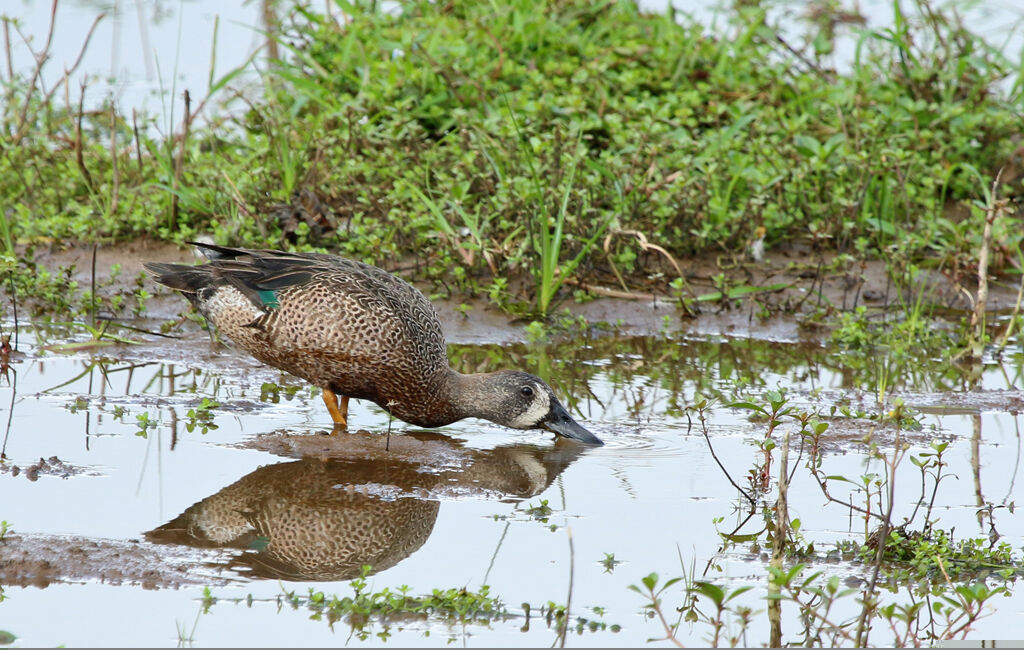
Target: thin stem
x,y
711,448
568,598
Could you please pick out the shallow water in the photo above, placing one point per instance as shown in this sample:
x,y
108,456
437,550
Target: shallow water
x,y
264,503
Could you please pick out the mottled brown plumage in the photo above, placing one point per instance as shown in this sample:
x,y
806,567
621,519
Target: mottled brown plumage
x,y
356,331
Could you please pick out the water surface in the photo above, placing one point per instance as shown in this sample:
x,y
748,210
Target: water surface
x,y
266,503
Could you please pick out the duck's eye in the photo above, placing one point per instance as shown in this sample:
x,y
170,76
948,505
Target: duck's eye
x,y
526,391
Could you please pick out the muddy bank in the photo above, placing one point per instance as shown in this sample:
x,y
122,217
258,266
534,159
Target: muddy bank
x,y
801,280
42,560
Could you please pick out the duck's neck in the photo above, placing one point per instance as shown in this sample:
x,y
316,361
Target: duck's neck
x,y
454,396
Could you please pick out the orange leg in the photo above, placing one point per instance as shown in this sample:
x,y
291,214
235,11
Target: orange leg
x,y
338,408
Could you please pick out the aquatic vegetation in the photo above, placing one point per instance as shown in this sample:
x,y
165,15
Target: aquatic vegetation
x,y
145,423
918,562
366,610
540,513
201,416
609,562
271,392
643,391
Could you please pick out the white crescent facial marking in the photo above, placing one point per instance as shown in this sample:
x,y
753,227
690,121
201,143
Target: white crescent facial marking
x,y
537,409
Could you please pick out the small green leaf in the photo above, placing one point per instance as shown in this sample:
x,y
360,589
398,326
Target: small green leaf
x,y
712,591
650,581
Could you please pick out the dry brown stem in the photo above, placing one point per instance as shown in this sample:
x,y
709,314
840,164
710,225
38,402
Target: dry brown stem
x,y
646,246
24,123
995,209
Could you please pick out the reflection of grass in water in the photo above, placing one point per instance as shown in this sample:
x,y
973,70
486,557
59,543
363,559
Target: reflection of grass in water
x,y
366,610
638,374
670,370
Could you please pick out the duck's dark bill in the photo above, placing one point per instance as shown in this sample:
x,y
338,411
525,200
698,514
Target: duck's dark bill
x,y
559,421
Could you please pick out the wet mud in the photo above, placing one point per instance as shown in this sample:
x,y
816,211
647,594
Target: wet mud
x,y
640,309
51,466
44,560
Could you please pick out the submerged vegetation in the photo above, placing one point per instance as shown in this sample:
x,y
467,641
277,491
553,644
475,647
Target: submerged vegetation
x,y
366,607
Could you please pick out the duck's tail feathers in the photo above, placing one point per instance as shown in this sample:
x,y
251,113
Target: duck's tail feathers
x,y
215,252
181,277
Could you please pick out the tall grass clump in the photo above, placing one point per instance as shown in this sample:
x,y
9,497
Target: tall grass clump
x,y
695,140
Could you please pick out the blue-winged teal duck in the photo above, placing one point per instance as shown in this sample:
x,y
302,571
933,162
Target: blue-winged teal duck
x,y
357,331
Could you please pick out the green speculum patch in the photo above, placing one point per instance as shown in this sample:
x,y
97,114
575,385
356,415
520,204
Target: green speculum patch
x,y
269,298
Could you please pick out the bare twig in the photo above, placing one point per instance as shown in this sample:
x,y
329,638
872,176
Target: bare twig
x,y
806,609
803,59
10,68
670,633
113,161
704,430
10,409
1014,316
870,601
993,211
7,49
138,141
40,61
270,24
24,124
14,305
645,245
823,486
179,161
779,544
611,293
568,598
92,285
86,176
968,611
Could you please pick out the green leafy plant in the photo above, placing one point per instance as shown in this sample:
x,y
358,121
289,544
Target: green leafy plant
x,y
201,416
145,423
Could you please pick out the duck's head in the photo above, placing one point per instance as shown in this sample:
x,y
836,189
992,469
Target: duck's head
x,y
520,400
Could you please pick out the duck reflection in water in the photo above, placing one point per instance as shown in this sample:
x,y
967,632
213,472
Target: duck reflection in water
x,y
348,502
